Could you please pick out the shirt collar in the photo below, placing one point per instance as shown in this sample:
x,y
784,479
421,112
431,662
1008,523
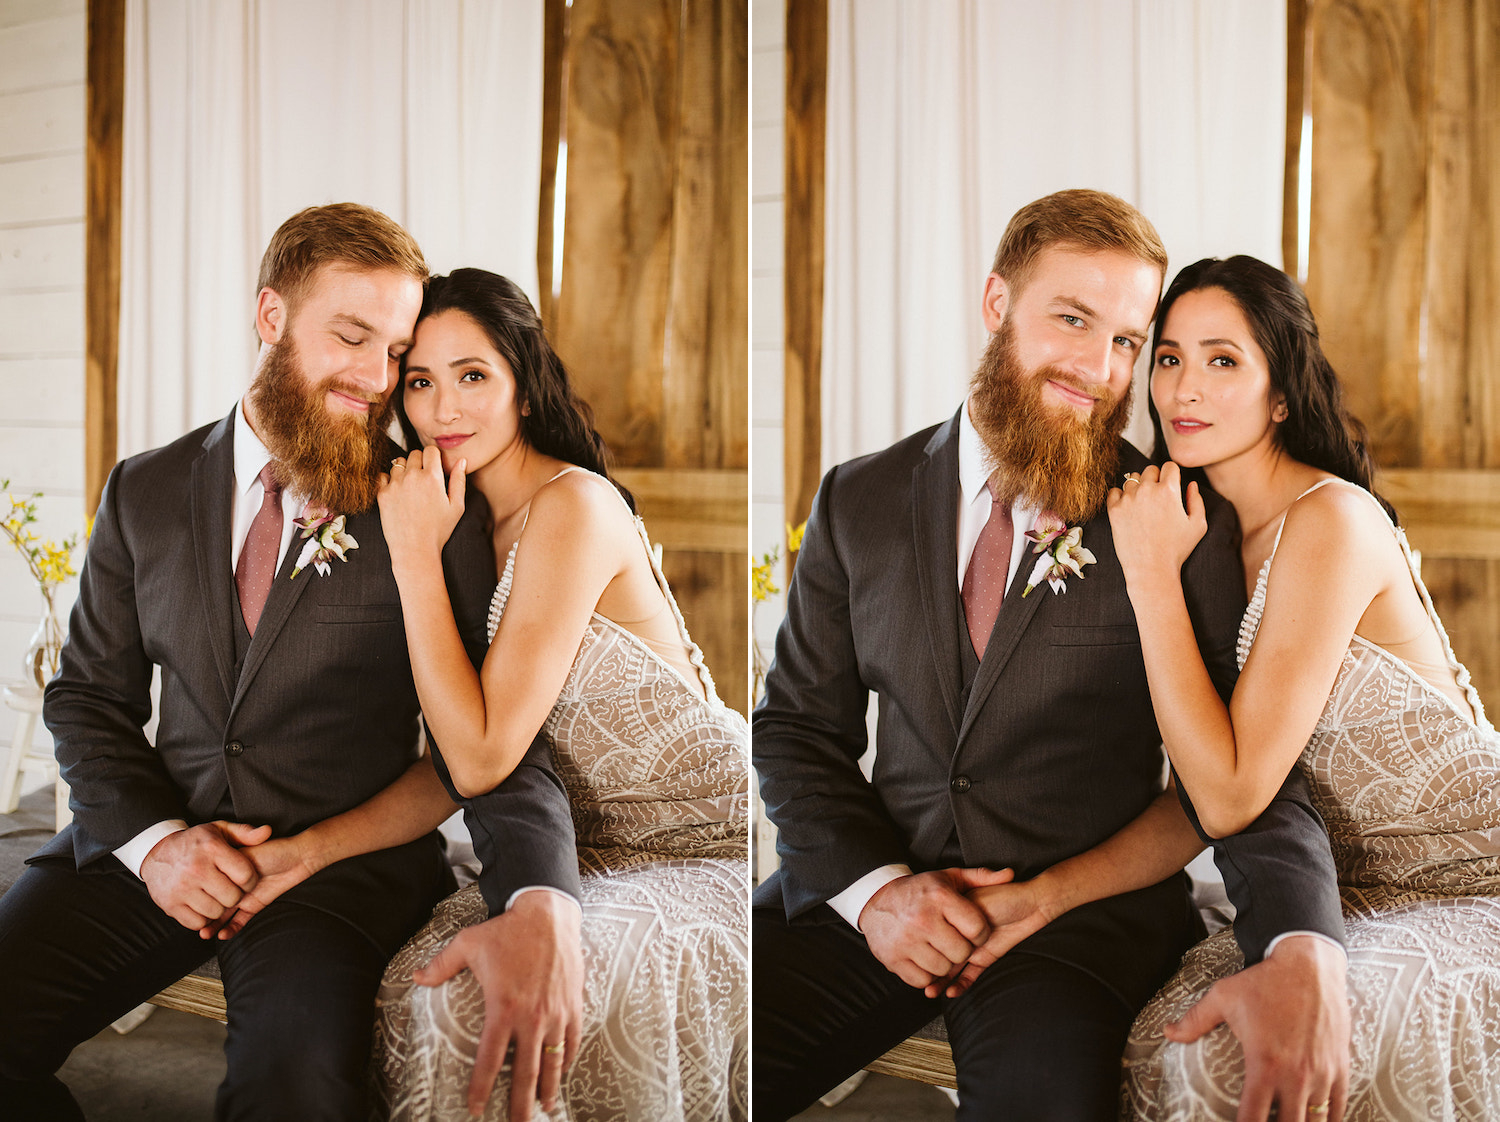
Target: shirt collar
x,y
973,470
974,473
250,455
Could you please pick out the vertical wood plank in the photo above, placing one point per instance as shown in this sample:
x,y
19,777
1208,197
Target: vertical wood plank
x,y
1483,296
705,407
806,125
103,154
621,128
1405,270
652,316
1296,108
1460,403
1365,276
705,377
554,56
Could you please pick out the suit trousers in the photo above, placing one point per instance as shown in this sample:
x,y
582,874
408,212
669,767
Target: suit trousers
x,y
78,950
1033,1038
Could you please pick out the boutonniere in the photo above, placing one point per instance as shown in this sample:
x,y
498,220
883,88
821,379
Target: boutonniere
x,y
1062,552
326,539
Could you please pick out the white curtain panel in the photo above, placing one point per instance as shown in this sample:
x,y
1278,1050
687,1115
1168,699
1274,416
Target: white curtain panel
x,y
946,116
239,113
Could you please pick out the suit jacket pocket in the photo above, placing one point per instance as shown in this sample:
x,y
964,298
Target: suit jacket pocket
x,y
1110,635
357,613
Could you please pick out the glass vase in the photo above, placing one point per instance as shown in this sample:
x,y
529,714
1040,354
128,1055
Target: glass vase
x,y
40,661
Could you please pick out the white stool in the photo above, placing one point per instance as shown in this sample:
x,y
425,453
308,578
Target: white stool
x,y
28,704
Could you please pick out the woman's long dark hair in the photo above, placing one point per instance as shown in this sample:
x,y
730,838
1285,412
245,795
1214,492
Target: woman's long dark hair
x,y
1319,430
555,420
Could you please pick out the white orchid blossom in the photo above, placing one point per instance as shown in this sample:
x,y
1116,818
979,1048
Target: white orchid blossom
x,y
326,539
1062,553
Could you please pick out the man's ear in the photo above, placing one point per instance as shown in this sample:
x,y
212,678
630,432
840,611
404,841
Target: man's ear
x,y
271,315
996,300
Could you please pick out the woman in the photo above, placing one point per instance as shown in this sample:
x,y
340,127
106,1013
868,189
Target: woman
x,y
587,644
1346,672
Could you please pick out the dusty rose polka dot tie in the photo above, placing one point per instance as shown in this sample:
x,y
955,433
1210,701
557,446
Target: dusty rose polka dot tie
x,y
984,579
257,567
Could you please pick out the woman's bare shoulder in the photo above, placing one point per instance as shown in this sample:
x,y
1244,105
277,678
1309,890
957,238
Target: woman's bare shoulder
x,y
1340,526
581,503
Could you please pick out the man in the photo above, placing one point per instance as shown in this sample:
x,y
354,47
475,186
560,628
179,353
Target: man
x,y
287,704
1015,734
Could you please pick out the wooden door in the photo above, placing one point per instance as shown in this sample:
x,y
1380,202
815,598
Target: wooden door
x,y
1404,273
650,315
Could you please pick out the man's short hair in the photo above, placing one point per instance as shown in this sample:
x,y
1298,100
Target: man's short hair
x,y
339,233
1090,221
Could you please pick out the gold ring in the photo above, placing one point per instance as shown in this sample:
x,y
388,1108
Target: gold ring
x,y
1319,1109
553,1049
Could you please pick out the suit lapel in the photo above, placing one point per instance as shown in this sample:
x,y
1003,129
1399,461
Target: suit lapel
x,y
283,597
935,530
210,501
1015,615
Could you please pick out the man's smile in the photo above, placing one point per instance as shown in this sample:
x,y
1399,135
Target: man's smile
x,y
349,401
1071,395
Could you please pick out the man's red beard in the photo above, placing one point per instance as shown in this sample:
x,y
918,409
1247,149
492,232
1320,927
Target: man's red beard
x,y
1051,456
332,459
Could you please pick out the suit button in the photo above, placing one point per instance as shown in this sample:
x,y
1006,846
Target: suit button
x,y
234,748
961,783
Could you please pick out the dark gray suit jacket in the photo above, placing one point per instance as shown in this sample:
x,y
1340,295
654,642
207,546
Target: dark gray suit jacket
x,y
320,715
1054,749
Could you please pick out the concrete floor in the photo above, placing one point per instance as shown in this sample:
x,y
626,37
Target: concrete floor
x,y
165,1070
883,1098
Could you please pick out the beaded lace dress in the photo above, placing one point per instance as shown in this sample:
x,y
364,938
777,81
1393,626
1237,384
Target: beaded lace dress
x,y
656,772
1408,785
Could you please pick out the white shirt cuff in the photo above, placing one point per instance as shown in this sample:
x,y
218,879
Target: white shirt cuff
x,y
134,852
851,902
1315,934
518,893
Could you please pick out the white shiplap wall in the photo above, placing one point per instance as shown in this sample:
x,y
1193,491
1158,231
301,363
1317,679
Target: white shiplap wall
x,y
42,61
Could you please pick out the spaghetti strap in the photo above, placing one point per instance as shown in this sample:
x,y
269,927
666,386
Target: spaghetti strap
x,y
1316,486
527,516
653,558
1462,678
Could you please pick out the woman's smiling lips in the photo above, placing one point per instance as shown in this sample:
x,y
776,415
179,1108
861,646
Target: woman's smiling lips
x,y
1188,425
451,441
